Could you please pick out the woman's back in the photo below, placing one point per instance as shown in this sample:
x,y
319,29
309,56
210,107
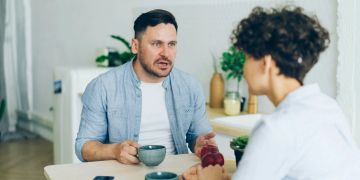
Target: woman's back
x,y
307,137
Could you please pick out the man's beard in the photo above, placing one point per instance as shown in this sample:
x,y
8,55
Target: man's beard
x,y
152,71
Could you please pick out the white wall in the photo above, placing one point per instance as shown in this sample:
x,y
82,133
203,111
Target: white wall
x,y
67,33
205,27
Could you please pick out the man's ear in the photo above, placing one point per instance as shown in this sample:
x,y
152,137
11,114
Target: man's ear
x,y
134,45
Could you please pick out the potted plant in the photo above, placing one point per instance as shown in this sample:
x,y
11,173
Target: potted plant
x,y
114,57
238,144
232,62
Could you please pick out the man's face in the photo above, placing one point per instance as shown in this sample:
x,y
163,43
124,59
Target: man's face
x,y
156,50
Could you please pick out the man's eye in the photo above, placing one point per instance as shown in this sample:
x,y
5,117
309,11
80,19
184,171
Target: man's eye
x,y
172,44
156,44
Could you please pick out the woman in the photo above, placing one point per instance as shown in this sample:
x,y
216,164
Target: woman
x,y
307,136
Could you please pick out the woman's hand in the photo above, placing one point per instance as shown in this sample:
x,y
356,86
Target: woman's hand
x,y
197,172
190,174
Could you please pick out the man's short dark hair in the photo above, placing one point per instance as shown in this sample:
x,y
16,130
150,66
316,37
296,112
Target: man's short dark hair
x,y
153,18
293,39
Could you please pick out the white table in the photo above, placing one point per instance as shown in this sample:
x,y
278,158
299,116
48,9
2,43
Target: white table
x,y
173,163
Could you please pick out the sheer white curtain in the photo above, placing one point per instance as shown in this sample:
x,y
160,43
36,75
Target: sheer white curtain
x,y
17,59
3,122
348,71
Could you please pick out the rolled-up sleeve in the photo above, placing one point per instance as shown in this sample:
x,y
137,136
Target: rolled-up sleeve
x,y
93,124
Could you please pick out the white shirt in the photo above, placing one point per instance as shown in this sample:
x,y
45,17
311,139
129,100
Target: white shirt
x,y
306,138
155,125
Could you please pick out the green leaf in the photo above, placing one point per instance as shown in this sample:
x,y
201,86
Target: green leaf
x,y
126,56
239,143
101,58
117,58
126,43
229,75
239,78
232,62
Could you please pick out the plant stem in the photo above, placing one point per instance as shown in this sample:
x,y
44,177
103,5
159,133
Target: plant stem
x,y
238,86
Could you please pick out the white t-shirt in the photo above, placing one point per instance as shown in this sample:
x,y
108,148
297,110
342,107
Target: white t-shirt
x,y
306,138
155,125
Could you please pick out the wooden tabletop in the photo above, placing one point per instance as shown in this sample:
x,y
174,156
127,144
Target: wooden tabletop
x,y
173,163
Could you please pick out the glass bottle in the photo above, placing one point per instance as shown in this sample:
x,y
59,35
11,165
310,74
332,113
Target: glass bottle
x,y
232,103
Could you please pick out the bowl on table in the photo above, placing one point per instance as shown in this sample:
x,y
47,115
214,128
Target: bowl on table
x,y
163,175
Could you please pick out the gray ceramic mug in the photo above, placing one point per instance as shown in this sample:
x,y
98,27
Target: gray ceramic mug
x,y
163,175
151,155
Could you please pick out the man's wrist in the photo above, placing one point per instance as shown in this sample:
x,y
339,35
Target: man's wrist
x,y
114,151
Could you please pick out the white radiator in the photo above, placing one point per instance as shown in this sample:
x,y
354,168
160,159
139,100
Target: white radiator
x,y
69,84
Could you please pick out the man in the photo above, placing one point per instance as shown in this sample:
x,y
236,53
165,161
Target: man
x,y
145,101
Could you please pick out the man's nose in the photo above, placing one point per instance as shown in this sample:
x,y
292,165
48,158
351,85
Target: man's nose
x,y
165,51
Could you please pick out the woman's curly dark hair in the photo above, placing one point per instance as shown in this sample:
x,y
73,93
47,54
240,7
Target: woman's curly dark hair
x,y
293,39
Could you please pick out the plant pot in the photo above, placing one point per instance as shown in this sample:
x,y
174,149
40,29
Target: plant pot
x,y
238,155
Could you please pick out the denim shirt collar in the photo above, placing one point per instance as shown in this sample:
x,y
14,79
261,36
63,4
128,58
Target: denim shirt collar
x,y
135,79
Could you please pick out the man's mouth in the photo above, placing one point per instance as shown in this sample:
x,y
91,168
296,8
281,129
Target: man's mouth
x,y
163,64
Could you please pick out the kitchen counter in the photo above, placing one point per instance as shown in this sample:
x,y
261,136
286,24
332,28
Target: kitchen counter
x,y
229,127
223,128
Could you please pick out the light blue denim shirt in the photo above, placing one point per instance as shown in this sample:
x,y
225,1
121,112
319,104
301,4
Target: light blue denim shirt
x,y
112,109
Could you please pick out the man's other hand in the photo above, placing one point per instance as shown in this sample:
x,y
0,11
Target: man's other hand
x,y
203,140
126,152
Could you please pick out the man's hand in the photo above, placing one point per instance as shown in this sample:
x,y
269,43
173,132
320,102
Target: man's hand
x,y
203,140
126,152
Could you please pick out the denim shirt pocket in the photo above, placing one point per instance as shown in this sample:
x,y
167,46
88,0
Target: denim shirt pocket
x,y
187,117
117,124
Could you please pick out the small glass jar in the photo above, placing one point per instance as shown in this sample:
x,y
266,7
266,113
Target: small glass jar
x,y
232,103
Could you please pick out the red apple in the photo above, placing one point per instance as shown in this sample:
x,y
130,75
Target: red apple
x,y
208,149
208,159
219,159
212,159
